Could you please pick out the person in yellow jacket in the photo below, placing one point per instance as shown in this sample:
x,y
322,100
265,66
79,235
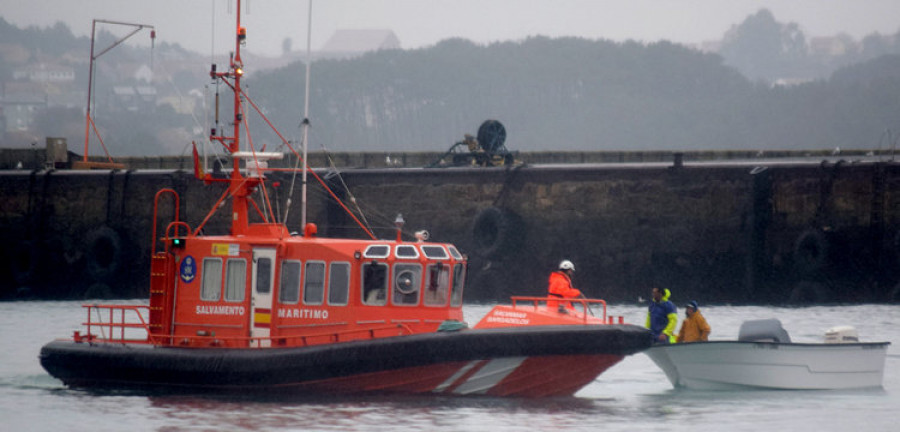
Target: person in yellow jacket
x,y
694,328
662,317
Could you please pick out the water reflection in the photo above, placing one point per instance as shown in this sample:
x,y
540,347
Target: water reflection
x,y
634,395
373,412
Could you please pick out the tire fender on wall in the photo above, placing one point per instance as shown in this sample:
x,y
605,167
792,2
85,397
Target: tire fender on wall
x,y
25,262
807,292
896,246
103,254
496,232
894,296
97,291
811,251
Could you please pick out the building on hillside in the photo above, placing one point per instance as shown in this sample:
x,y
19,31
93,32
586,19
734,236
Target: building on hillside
x,y
832,46
129,72
45,73
19,110
185,105
708,46
352,43
143,73
133,98
13,53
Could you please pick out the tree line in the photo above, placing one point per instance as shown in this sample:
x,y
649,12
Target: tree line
x,y
550,93
577,94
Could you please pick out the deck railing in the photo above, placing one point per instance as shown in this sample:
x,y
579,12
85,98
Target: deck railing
x,y
586,311
122,324
212,340
127,324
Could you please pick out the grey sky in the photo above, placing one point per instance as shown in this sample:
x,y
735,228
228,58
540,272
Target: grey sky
x,y
419,23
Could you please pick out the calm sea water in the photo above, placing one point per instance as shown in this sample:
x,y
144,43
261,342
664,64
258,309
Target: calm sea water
x,y
632,396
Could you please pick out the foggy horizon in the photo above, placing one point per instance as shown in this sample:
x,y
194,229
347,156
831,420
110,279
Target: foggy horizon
x,y
420,24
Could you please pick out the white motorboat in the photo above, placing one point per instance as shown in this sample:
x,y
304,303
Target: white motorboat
x,y
763,357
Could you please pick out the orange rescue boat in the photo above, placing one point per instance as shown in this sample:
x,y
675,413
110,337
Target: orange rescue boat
x,y
260,308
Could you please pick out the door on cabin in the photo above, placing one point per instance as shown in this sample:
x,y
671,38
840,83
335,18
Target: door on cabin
x,y
263,277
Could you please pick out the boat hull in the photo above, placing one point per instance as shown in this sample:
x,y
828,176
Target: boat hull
x,y
528,362
724,365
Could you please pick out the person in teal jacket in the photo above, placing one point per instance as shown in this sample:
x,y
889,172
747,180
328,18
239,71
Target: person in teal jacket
x,y
662,317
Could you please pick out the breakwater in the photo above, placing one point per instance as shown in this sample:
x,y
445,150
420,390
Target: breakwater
x,y
766,231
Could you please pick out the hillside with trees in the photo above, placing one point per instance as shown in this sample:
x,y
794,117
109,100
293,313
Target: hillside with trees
x,y
576,94
763,49
767,87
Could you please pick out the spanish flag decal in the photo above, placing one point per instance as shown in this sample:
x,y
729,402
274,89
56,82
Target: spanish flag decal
x,y
262,317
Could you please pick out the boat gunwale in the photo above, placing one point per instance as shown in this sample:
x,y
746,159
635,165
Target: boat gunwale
x,y
798,344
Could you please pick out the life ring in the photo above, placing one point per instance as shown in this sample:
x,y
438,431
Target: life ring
x,y
807,292
811,251
496,232
24,264
104,254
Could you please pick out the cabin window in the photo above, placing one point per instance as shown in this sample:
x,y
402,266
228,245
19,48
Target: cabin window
x,y
374,284
314,286
377,251
212,279
263,275
434,252
235,280
338,283
289,289
407,251
437,283
407,280
455,253
459,280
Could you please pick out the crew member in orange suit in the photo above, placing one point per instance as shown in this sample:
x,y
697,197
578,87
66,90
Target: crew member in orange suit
x,y
561,287
694,328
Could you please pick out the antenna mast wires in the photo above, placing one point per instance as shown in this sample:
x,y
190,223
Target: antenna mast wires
x,y
89,122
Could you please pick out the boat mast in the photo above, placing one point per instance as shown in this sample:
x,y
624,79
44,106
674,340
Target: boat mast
x,y
306,117
239,187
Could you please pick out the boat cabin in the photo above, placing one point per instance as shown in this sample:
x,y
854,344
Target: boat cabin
x,y
261,286
270,288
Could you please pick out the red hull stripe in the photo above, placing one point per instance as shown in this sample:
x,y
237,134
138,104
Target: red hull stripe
x,y
419,379
487,376
460,376
554,375
519,376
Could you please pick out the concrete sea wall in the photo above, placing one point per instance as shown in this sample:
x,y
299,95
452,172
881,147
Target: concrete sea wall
x,y
815,232
717,232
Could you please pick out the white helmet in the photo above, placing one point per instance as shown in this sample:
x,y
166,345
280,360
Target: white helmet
x,y
566,265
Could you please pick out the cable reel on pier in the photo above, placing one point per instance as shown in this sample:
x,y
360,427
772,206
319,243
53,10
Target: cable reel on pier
x,y
486,149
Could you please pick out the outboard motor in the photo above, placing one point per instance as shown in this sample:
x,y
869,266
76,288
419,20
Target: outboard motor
x,y
841,334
